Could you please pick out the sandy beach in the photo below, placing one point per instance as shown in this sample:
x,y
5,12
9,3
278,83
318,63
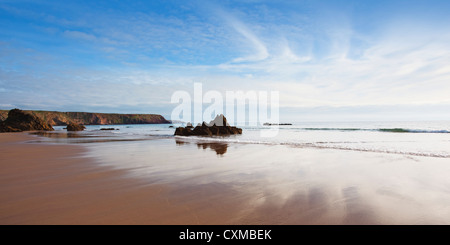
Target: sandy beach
x,y
52,184
225,113
170,181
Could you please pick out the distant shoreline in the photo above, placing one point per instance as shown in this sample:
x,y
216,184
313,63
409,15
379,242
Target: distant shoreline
x,y
56,118
277,124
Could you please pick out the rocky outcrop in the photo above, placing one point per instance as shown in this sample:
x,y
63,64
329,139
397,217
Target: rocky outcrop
x,y
218,127
19,121
75,127
3,115
56,118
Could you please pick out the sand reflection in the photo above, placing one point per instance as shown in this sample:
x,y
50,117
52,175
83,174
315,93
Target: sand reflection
x,y
83,137
219,148
60,135
260,184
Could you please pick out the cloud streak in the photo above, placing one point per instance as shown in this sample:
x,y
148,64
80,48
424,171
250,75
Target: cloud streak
x,y
136,57
261,52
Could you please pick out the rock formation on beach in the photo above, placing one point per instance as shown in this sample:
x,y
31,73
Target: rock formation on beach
x,y
75,127
217,127
56,118
3,115
18,121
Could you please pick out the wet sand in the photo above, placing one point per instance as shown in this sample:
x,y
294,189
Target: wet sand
x,y
170,181
54,184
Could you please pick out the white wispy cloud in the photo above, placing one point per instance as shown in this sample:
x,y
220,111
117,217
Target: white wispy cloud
x,y
260,50
314,60
399,67
80,35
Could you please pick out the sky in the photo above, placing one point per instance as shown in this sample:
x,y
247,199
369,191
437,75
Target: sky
x,y
336,60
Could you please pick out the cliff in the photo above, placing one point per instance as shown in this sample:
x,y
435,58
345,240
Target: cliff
x,y
56,118
19,121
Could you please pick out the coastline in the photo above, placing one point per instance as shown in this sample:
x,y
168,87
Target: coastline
x,y
143,182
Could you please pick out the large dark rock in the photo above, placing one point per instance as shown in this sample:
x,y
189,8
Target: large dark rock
x,y
19,121
75,127
183,131
217,127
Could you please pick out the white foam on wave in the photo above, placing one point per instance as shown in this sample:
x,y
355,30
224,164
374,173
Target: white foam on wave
x,y
319,145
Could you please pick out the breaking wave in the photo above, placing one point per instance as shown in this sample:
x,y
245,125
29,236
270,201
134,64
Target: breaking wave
x,y
389,130
318,145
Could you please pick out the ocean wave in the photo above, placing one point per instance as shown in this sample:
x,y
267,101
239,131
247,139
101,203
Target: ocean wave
x,y
318,145
388,130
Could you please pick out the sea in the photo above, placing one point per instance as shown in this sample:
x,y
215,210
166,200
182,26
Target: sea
x,y
429,139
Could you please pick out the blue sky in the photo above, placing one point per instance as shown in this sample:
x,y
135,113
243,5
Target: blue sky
x,y
330,60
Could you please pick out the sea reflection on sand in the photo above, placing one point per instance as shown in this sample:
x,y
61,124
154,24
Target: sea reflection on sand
x,y
287,185
84,137
60,135
263,184
219,148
